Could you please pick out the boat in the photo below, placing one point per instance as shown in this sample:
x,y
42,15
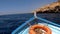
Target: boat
x,y
24,28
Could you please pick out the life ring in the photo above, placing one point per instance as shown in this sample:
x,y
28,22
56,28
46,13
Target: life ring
x,y
45,28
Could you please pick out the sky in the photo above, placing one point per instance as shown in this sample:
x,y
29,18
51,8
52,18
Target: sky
x,y
21,6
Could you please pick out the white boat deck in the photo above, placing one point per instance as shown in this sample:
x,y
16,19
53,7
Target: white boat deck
x,y
55,30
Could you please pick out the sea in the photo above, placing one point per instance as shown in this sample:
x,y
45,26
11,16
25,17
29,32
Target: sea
x,y
8,23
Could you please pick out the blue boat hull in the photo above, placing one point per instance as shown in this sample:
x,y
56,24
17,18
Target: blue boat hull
x,y
24,28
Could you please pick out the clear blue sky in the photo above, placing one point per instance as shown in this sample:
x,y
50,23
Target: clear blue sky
x,y
21,6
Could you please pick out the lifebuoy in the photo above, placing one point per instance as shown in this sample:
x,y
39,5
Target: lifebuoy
x,y
45,28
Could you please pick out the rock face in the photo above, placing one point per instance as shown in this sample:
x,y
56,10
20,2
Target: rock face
x,y
50,8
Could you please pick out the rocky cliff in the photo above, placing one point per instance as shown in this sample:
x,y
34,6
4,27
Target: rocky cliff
x,y
50,8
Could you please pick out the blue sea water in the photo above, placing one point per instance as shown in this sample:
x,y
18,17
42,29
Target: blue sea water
x,y
8,23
